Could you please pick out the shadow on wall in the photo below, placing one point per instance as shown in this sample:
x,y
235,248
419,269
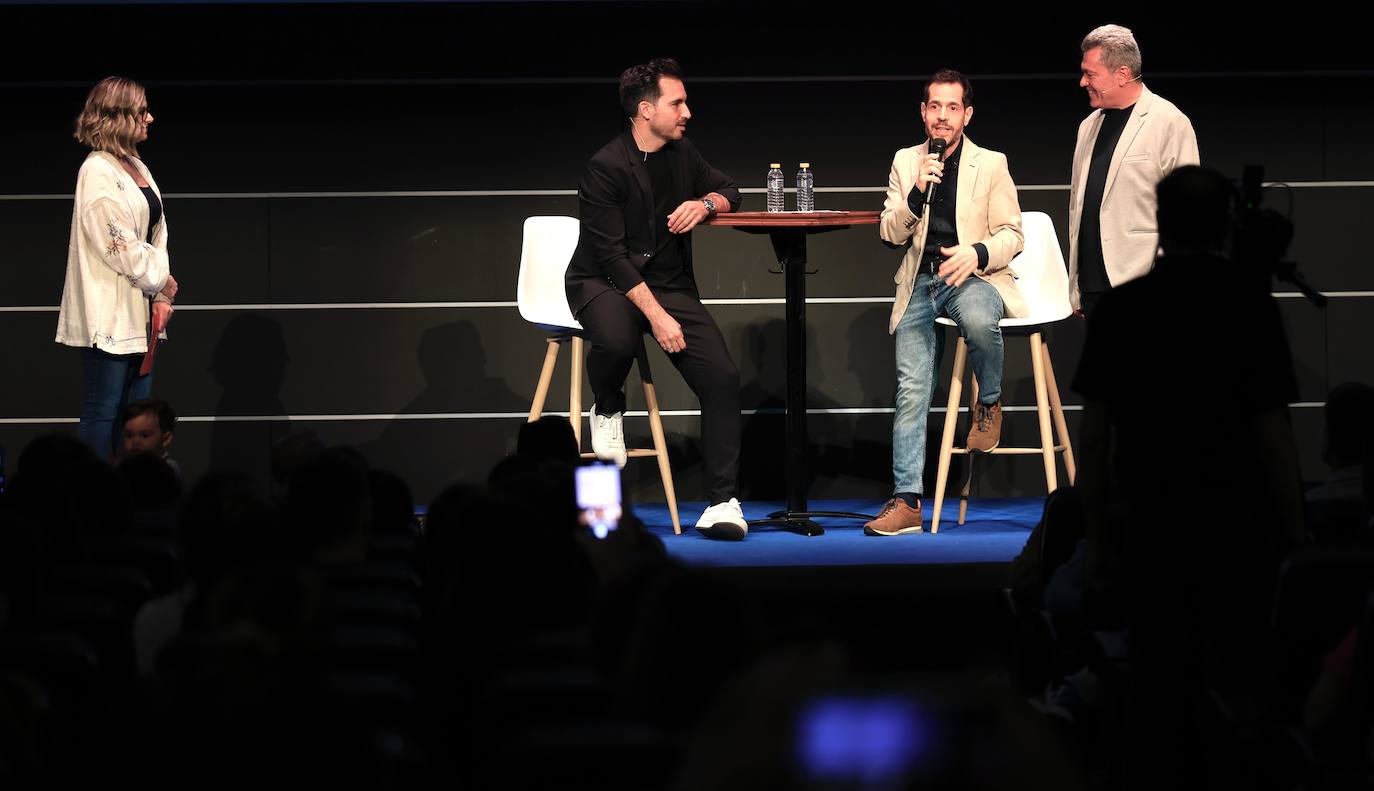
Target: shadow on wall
x,y
430,453
876,375
249,365
763,367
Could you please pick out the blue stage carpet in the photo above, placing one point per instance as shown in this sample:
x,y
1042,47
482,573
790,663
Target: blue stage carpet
x,y
994,532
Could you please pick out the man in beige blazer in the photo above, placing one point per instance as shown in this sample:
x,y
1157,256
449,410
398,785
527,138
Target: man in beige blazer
x,y
1132,139
960,223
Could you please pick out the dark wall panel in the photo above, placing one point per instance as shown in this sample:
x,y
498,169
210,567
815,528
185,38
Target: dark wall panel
x,y
1326,254
1307,342
1351,326
401,249
1349,127
42,378
221,250
426,249
537,135
35,258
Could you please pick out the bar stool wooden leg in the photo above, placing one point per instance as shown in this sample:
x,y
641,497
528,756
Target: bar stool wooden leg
x,y
541,391
1061,426
968,479
1042,409
665,470
575,390
660,450
956,386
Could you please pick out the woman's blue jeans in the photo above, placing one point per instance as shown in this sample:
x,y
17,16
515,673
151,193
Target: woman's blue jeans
x,y
112,381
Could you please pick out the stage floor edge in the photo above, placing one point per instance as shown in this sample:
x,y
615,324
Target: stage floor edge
x,y
994,531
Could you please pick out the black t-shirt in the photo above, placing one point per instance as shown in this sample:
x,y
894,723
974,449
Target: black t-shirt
x,y
942,231
154,210
1092,269
665,271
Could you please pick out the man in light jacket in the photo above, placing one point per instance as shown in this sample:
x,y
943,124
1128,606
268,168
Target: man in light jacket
x,y
1132,139
960,222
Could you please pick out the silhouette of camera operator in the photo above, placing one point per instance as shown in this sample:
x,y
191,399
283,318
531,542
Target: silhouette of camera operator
x,y
1187,377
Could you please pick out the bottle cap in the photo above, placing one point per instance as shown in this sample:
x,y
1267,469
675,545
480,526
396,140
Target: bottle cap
x,y
775,165
806,164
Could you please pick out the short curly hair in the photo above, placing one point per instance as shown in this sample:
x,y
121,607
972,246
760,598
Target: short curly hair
x,y
109,121
640,83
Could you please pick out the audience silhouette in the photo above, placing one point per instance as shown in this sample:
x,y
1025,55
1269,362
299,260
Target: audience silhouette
x,y
1170,622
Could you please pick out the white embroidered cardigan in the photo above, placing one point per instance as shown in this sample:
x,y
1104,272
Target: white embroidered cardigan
x,y
112,270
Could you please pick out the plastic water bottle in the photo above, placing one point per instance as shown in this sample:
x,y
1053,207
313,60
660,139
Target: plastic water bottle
x,y
775,193
806,188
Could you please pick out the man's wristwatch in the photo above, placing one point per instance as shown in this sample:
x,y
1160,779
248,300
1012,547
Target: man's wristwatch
x,y
710,205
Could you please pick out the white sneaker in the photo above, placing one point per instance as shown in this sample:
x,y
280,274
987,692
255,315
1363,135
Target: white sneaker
x,y
608,437
724,521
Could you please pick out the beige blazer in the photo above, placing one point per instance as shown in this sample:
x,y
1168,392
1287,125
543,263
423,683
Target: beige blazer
x,y
986,210
1157,139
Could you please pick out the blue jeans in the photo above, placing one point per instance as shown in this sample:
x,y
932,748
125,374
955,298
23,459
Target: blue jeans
x,y
977,308
112,381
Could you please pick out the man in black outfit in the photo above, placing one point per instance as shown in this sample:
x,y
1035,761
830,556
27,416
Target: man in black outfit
x,y
640,197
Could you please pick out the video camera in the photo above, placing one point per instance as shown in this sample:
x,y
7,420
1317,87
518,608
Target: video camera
x,y
1262,236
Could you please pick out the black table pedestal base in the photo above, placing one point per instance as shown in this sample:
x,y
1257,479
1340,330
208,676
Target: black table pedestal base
x,y
792,523
799,522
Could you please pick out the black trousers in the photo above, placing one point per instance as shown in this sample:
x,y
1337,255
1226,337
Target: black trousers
x,y
614,328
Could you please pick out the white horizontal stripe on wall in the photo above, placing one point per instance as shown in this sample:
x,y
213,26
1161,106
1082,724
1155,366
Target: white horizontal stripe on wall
x,y
40,421
727,301
543,193
364,194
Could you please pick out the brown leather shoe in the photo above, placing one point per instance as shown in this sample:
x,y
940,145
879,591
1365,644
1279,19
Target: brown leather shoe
x,y
896,519
986,431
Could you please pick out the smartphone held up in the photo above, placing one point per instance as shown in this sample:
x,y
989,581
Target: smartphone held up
x,y
598,498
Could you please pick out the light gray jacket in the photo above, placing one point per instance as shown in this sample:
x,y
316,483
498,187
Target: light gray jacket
x,y
1158,138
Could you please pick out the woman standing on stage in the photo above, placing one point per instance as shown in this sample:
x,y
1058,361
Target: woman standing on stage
x,y
119,288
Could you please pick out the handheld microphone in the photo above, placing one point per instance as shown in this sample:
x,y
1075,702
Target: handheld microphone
x,y
937,147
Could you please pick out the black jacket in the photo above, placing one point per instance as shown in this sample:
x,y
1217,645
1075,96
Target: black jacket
x,y
618,230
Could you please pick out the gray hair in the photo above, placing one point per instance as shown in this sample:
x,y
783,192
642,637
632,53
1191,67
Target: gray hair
x,y
1118,47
